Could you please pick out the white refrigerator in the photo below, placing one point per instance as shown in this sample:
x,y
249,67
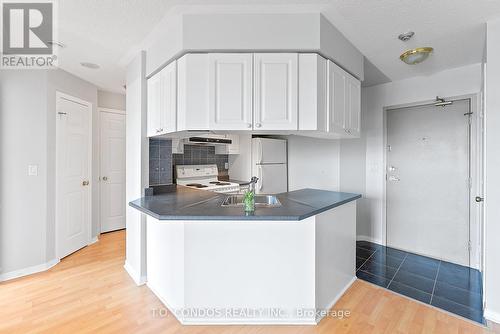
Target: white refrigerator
x,y
269,164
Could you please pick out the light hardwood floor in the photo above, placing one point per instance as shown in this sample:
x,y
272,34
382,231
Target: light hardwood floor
x,y
90,292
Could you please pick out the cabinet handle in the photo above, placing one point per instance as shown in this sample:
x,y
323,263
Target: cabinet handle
x,y
104,178
85,183
258,125
249,125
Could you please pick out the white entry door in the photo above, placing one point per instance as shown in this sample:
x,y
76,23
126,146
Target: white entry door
x,y
428,181
73,173
112,171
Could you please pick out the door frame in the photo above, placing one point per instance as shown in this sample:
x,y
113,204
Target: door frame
x,y
476,222
100,110
63,96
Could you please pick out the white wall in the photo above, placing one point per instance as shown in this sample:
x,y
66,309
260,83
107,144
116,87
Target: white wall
x,y
28,136
454,82
137,167
110,100
353,177
240,165
23,141
492,175
313,163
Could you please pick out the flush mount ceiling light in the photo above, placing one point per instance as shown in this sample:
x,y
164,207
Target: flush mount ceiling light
x,y
90,65
415,56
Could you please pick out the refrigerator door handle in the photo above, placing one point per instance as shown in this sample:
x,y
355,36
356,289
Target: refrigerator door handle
x,y
260,151
260,178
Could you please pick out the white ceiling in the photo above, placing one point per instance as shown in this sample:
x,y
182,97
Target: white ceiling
x,y
107,31
455,28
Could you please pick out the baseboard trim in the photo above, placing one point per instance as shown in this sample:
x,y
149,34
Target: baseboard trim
x,y
136,277
337,297
28,271
231,321
492,315
250,321
369,239
93,240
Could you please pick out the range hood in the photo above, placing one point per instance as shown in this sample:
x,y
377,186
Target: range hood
x,y
209,140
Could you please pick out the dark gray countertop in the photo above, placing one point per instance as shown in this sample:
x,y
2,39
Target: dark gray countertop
x,y
183,203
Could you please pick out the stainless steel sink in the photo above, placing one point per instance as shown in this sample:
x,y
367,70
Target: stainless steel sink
x,y
266,201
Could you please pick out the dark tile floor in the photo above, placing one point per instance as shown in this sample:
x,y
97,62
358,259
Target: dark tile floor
x,y
451,287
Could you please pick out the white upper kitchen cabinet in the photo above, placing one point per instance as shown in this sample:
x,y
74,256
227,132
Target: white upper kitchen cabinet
x,y
193,92
275,91
337,94
313,113
162,101
154,97
230,91
344,101
353,122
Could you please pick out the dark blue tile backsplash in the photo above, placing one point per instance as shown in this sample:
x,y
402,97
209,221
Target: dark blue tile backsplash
x,y
162,162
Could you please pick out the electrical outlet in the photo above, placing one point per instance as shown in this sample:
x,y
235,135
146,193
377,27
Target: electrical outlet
x,y
226,165
32,170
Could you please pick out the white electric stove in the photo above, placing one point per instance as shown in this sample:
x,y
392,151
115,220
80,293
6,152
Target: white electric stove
x,y
204,177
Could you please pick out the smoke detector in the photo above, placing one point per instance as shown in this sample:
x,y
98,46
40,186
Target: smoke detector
x,y
406,36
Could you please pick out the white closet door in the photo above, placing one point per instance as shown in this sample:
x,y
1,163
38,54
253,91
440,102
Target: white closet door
x,y
113,204
74,156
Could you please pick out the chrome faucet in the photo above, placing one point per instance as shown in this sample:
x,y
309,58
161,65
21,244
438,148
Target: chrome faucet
x,y
253,181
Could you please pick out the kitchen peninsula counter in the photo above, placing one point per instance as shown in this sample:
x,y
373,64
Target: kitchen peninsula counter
x,y
183,203
282,265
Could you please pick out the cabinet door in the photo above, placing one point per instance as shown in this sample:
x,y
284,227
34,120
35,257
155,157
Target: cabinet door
x,y
230,91
192,97
275,91
337,98
153,113
354,110
168,99
313,93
